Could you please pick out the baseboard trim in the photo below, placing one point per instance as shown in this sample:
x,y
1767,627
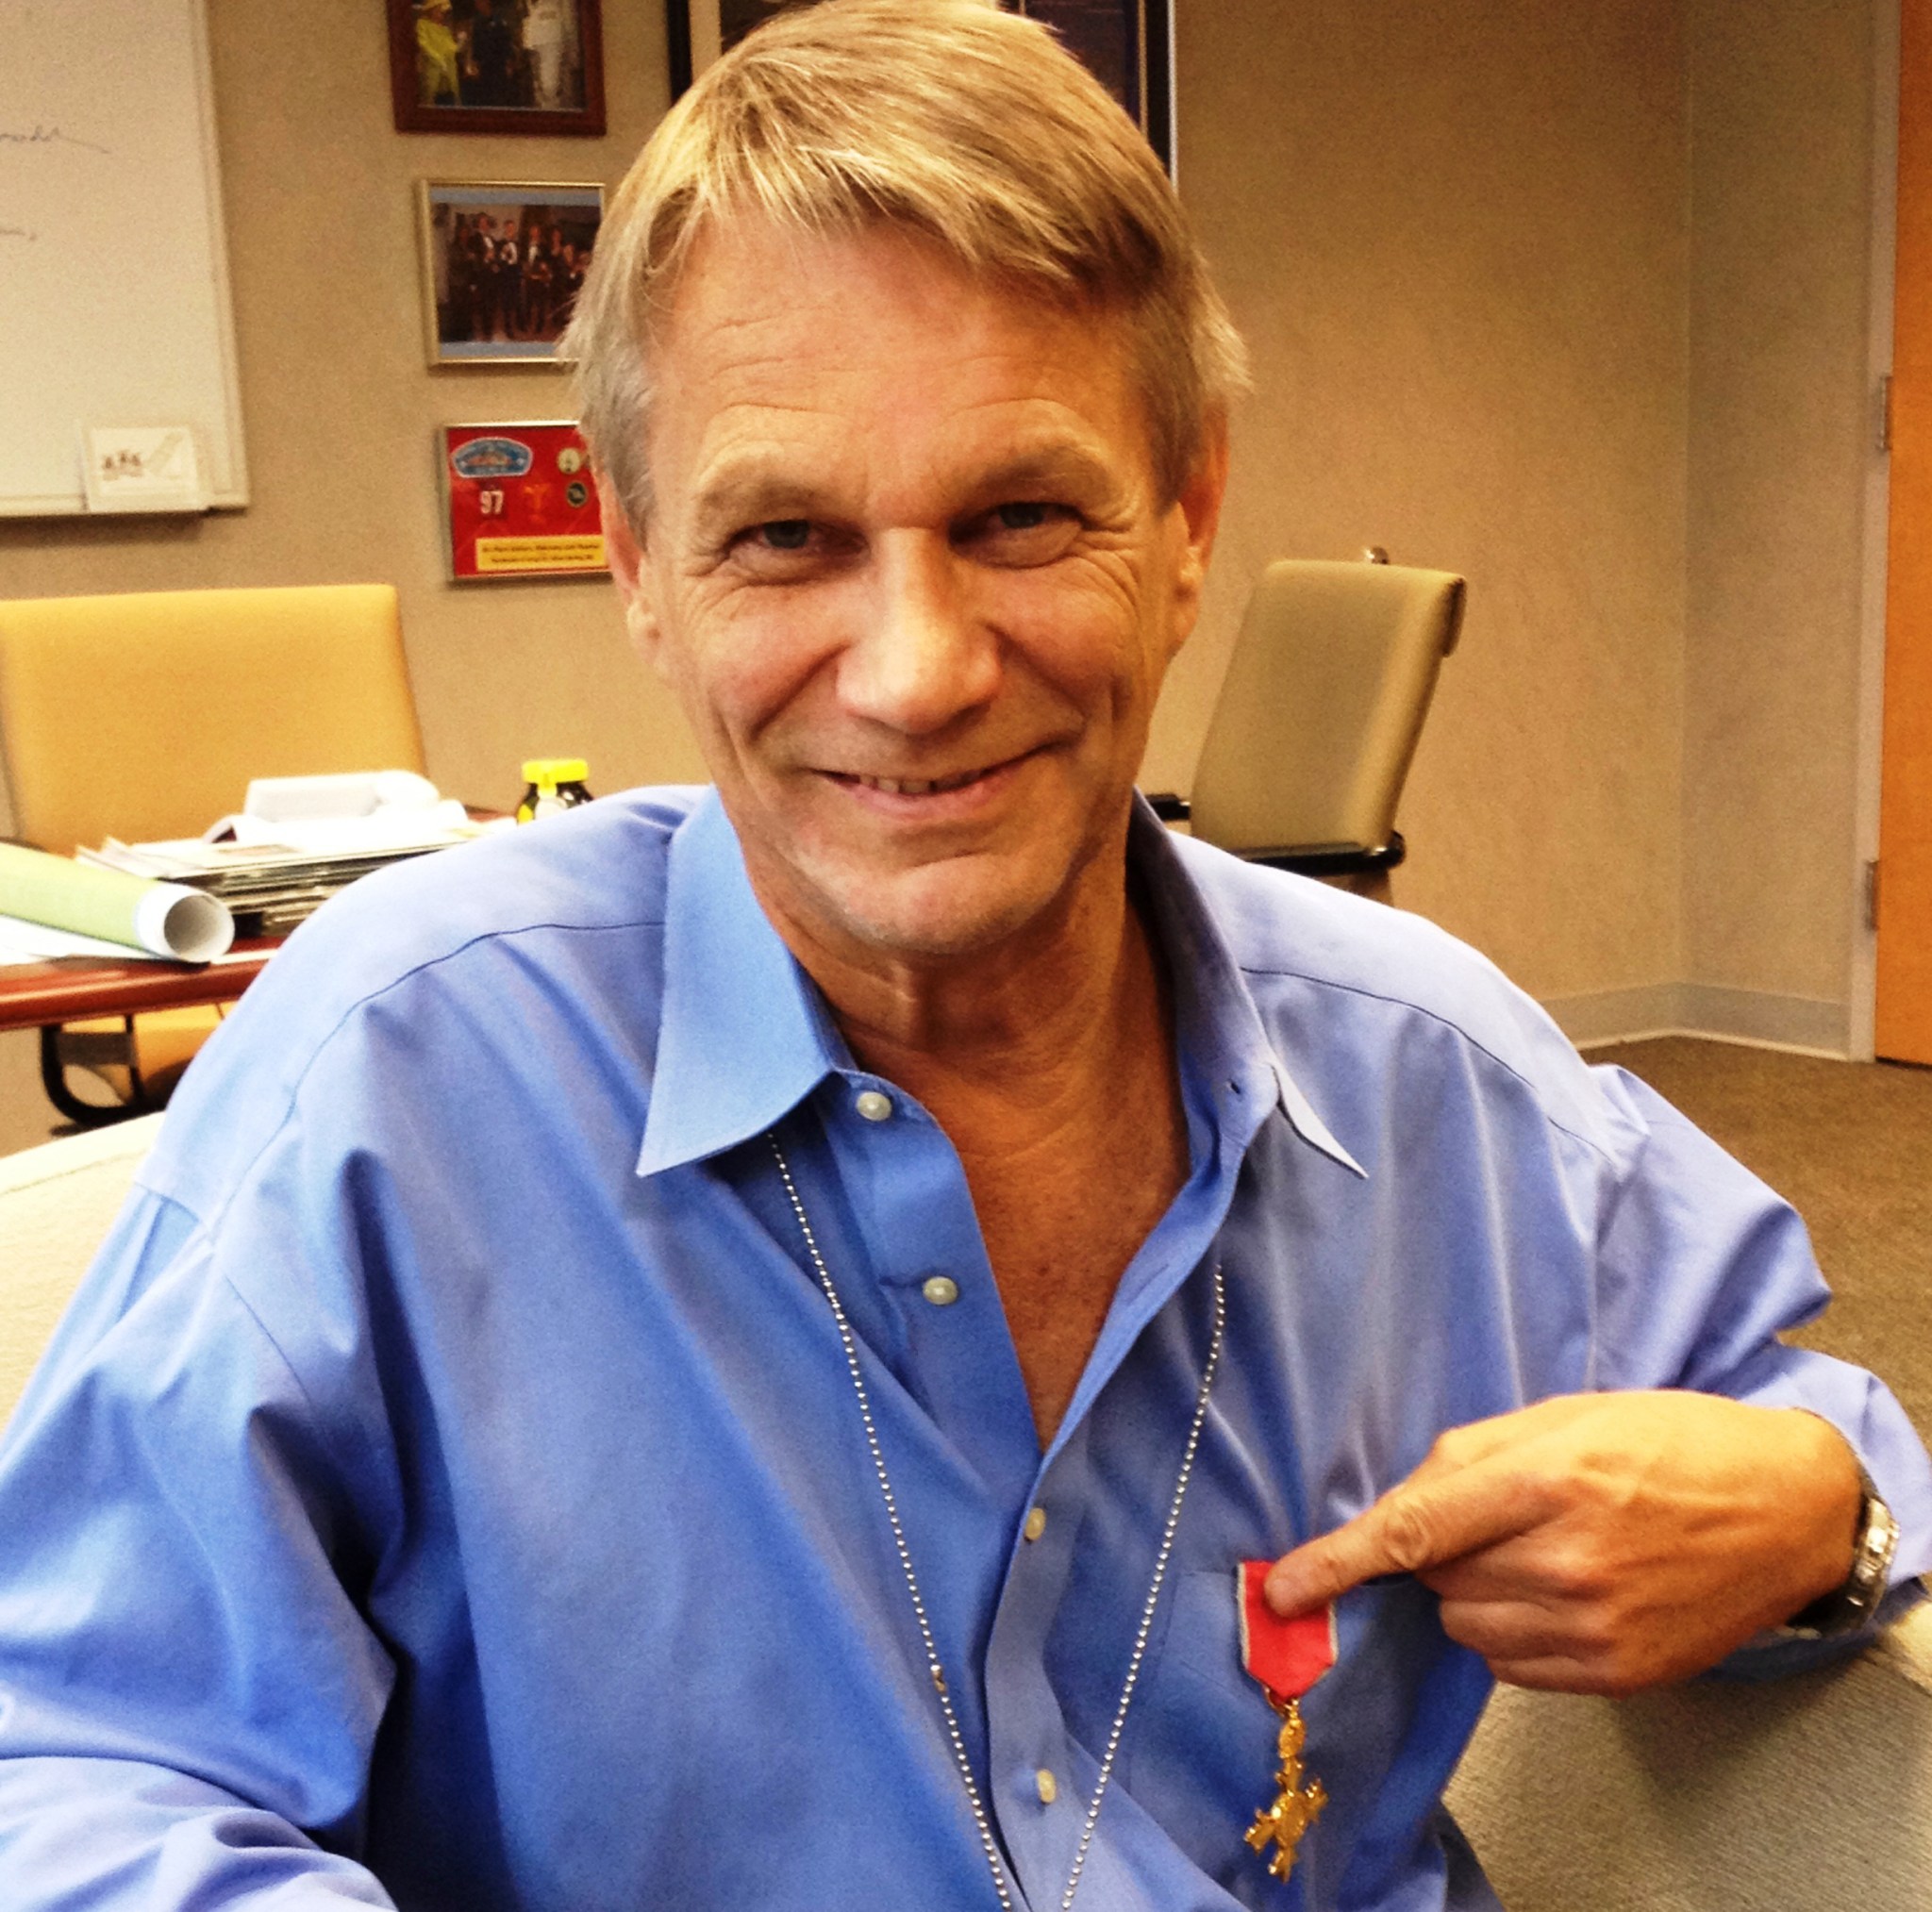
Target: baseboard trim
x,y
1618,1015
1805,1024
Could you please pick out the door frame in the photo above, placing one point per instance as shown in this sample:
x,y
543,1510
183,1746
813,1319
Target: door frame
x,y
1862,982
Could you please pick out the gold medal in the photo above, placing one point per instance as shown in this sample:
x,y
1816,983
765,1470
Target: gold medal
x,y
1286,1658
1296,1806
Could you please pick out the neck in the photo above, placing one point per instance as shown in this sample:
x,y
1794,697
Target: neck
x,y
1048,1062
1018,1035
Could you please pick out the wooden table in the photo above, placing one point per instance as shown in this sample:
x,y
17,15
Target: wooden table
x,y
71,989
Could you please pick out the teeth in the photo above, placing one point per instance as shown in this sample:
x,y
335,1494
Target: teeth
x,y
917,786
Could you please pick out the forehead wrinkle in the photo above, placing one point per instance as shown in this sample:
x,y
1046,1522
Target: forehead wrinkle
x,y
744,438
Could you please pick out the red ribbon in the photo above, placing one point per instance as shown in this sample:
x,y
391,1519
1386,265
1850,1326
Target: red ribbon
x,y
1288,1657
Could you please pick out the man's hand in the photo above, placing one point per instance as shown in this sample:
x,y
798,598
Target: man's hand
x,y
1597,1543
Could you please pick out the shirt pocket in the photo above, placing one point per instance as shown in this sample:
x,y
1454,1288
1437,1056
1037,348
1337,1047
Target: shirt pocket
x,y
1384,1726
1202,1755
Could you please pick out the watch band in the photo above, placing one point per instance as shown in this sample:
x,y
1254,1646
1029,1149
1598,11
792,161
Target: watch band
x,y
1851,1604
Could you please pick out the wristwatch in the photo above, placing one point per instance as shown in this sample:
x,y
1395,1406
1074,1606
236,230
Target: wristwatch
x,y
1851,1604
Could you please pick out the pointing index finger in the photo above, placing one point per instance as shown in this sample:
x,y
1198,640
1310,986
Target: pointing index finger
x,y
1414,1528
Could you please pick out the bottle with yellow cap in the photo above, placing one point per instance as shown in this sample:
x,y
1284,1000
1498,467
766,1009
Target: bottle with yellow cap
x,y
556,784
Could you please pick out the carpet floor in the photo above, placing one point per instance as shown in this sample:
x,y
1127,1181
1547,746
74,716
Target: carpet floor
x,y
1850,1146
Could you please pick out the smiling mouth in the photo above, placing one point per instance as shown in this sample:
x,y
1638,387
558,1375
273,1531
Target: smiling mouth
x,y
986,775
918,787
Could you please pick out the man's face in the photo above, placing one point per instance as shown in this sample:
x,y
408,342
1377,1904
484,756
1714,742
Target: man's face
x,y
909,576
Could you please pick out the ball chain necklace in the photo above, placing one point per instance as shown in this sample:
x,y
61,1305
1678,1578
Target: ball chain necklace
x,y
848,1341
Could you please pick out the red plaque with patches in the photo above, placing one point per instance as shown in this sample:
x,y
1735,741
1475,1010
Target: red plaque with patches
x,y
521,502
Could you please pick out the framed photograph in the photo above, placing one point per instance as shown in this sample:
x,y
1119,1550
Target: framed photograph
x,y
496,66
503,261
1126,44
518,502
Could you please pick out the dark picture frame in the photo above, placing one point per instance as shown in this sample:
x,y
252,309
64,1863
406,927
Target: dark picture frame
x,y
496,66
502,262
1128,43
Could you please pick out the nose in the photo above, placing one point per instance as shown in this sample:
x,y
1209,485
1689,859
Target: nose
x,y
922,658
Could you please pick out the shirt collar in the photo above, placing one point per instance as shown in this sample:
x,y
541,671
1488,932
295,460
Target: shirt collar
x,y
744,1037
1219,1028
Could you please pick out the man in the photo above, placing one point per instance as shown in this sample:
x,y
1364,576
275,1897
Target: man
x,y
494,51
724,1351
506,271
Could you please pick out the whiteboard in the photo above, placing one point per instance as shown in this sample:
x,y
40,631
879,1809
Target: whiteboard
x,y
114,306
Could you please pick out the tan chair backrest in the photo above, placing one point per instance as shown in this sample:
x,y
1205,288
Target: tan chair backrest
x,y
1322,703
144,716
1806,1794
56,1204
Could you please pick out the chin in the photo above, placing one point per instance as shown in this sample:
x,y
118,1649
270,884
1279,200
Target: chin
x,y
944,911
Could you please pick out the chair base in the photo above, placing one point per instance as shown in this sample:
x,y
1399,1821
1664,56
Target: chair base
x,y
138,1059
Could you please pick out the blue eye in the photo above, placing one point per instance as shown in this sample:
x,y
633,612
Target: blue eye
x,y
787,534
1024,517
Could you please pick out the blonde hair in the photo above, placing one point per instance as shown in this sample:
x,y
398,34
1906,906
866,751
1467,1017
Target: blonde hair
x,y
969,124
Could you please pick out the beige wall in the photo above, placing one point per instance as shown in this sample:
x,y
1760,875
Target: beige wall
x,y
1454,237
1780,434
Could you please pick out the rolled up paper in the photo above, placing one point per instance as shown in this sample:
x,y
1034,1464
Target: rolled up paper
x,y
165,919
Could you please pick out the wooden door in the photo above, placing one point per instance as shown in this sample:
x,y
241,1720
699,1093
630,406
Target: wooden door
x,y
1903,1029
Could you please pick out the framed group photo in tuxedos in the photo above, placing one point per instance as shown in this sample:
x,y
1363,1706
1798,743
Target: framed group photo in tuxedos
x,y
503,261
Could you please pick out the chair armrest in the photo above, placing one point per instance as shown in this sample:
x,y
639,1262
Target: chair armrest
x,y
1334,859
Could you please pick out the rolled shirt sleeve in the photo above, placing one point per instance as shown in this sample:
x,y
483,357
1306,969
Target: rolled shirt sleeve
x,y
1701,1270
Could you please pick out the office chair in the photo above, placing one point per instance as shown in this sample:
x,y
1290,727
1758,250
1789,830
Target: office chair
x,y
1318,718
144,716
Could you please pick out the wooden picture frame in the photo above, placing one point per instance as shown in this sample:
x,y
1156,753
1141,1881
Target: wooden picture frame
x,y
496,66
1128,43
484,302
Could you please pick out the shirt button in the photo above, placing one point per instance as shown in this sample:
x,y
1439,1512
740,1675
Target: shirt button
x,y
1036,1523
872,1106
942,1290
1048,1786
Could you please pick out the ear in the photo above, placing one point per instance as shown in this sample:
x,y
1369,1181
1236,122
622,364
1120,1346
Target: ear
x,y
1199,510
631,575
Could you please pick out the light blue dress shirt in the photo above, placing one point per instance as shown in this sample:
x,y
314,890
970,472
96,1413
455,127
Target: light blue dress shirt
x,y
448,1489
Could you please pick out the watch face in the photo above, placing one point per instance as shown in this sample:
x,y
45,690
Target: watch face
x,y
1864,1587
1850,1605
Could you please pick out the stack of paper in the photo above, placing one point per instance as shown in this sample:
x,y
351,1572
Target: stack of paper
x,y
297,842
270,887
